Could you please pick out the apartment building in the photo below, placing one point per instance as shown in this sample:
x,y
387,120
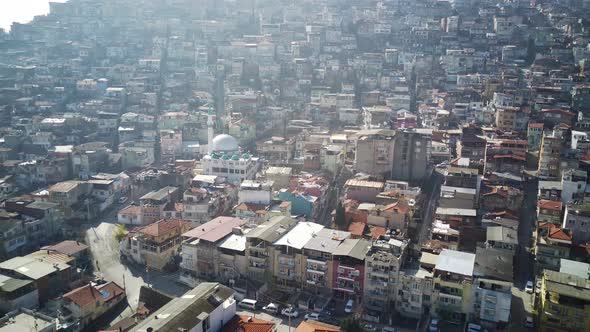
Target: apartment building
x,y
414,295
382,266
348,272
288,255
154,245
553,244
201,250
374,152
260,249
318,274
452,283
564,302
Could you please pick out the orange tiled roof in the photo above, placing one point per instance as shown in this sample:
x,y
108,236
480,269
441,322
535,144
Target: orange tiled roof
x,y
247,324
357,228
164,227
87,294
310,326
550,205
555,232
399,207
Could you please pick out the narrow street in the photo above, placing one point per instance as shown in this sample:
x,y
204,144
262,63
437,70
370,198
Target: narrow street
x,y
105,250
429,207
524,268
522,305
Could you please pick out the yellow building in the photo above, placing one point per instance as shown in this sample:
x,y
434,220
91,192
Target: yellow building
x,y
564,303
453,280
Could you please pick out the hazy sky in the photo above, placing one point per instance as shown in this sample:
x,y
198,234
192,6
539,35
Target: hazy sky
x,y
22,10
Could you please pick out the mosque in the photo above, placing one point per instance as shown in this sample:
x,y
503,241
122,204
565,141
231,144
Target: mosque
x,y
225,159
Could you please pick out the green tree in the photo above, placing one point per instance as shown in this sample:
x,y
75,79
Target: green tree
x,y
340,218
351,324
120,232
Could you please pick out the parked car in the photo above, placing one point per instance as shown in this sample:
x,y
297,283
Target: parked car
x,y
349,306
367,327
122,199
290,312
330,320
472,327
433,326
389,329
312,316
271,308
529,287
529,322
249,304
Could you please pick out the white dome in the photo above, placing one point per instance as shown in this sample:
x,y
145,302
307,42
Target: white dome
x,y
225,143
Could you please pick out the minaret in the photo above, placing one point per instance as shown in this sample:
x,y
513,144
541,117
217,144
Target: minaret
x,y
210,125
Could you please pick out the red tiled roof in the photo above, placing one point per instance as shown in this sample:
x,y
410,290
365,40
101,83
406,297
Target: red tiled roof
x,y
399,207
247,324
555,232
215,229
130,210
67,247
504,214
551,205
164,227
357,228
87,294
509,156
377,232
250,207
535,125
310,326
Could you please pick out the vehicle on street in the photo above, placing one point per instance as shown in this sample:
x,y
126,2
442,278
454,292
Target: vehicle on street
x,y
472,327
312,316
330,320
433,325
529,287
271,308
529,322
389,329
122,199
349,306
290,312
367,327
248,303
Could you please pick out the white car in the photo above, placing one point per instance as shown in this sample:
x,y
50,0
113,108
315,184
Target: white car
x,y
290,312
529,322
529,287
433,326
271,308
312,316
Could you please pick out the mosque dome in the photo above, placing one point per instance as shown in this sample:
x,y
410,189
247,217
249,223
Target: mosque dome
x,y
225,143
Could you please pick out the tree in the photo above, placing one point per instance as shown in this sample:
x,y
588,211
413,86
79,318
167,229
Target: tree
x,y
351,324
120,232
340,218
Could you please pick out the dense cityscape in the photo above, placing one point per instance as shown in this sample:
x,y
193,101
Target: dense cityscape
x,y
306,166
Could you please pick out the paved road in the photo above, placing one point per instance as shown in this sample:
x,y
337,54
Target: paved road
x,y
430,206
524,260
524,264
105,250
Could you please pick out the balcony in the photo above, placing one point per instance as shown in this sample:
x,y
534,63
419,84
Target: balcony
x,y
315,271
286,262
286,275
257,259
379,273
255,265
